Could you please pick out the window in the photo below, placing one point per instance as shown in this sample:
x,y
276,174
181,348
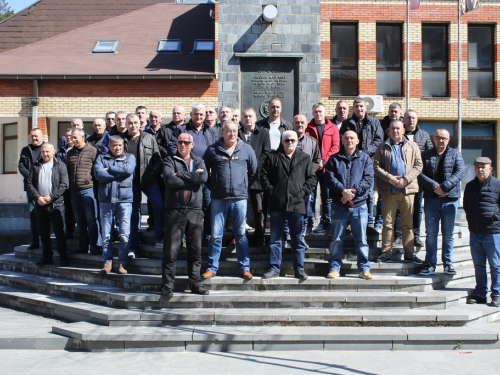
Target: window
x,y
435,60
169,45
10,148
389,67
481,61
344,63
106,46
203,45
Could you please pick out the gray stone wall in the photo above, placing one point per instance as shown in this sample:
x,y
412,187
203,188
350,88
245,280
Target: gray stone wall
x,y
296,31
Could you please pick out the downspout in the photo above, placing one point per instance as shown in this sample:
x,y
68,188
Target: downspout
x,y
34,100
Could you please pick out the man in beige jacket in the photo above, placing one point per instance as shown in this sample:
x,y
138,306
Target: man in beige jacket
x,y
397,164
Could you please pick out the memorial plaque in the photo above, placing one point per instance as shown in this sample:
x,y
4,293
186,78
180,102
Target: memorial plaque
x,y
265,78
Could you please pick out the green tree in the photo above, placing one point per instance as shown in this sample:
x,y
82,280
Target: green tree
x,y
5,10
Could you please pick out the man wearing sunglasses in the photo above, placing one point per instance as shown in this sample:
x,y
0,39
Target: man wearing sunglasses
x,y
288,175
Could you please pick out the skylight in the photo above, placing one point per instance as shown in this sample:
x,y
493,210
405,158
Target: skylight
x,y
106,46
169,45
201,45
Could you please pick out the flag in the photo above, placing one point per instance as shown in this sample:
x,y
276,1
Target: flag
x,y
469,5
414,4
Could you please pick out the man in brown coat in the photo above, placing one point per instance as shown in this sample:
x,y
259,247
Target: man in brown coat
x,y
397,164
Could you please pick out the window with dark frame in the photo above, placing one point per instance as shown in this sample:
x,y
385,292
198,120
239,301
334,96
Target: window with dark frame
x,y
389,59
344,59
9,154
435,60
480,47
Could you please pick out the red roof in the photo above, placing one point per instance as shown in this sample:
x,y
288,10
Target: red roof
x,y
70,54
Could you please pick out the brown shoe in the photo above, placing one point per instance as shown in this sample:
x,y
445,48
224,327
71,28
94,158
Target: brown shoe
x,y
208,275
106,269
122,270
365,275
247,275
333,274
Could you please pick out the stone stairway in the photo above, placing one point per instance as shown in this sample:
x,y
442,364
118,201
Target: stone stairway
x,y
397,309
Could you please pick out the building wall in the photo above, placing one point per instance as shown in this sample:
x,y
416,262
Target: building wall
x,y
295,30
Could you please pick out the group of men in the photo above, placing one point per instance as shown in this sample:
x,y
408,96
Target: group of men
x,y
197,174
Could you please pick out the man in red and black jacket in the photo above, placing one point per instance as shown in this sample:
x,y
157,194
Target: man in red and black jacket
x,y
328,137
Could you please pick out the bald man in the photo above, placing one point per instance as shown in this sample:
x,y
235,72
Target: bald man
x,y
99,134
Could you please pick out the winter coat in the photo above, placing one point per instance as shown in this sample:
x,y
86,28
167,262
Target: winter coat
x,y
482,205
96,141
179,177
230,175
150,162
288,182
330,142
59,182
261,145
453,168
115,182
284,125
310,146
25,164
342,173
370,133
80,163
210,134
422,139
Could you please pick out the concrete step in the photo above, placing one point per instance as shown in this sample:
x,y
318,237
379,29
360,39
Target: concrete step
x,y
251,300
95,338
384,278
72,310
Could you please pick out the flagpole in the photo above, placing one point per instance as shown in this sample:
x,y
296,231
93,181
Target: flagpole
x,y
407,54
459,122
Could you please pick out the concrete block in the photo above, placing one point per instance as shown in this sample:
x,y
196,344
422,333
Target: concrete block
x,y
356,334
349,345
246,333
448,333
17,343
148,346
287,346
219,347
99,346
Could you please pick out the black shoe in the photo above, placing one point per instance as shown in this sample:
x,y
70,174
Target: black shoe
x,y
45,262
370,230
495,301
476,300
69,235
33,246
166,292
413,258
384,258
301,275
418,242
150,228
271,274
63,261
449,270
96,251
231,245
198,289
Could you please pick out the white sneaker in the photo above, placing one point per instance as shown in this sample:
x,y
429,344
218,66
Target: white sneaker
x,y
131,255
428,270
248,227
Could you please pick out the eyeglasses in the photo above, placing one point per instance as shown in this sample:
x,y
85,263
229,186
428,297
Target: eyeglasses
x,y
289,140
183,142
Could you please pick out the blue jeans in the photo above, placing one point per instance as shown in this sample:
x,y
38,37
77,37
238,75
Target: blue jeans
x,y
485,246
326,201
358,218
122,213
219,211
444,210
295,223
85,210
369,205
154,195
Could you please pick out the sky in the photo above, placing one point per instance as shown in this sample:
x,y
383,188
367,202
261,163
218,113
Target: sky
x,y
18,5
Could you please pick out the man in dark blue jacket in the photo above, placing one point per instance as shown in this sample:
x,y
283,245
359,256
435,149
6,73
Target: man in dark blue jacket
x,y
482,208
349,175
233,168
115,173
46,184
184,175
443,169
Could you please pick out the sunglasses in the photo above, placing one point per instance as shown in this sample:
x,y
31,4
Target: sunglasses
x,y
183,142
289,140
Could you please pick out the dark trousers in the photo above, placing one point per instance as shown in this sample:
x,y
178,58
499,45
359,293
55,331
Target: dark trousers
x,y
417,213
177,223
259,216
69,218
46,215
33,225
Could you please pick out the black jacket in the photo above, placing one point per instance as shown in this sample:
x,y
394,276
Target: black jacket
x,y
184,179
25,163
163,137
288,182
261,144
96,141
149,160
385,123
284,125
60,182
422,139
370,133
482,205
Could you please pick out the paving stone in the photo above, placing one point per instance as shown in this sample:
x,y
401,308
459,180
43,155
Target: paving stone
x,y
356,334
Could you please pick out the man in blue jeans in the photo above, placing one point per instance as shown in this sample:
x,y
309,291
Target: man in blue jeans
x,y
349,175
482,208
115,171
288,176
233,168
443,169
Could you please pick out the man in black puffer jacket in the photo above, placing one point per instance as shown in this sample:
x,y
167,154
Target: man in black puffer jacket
x,y
482,208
